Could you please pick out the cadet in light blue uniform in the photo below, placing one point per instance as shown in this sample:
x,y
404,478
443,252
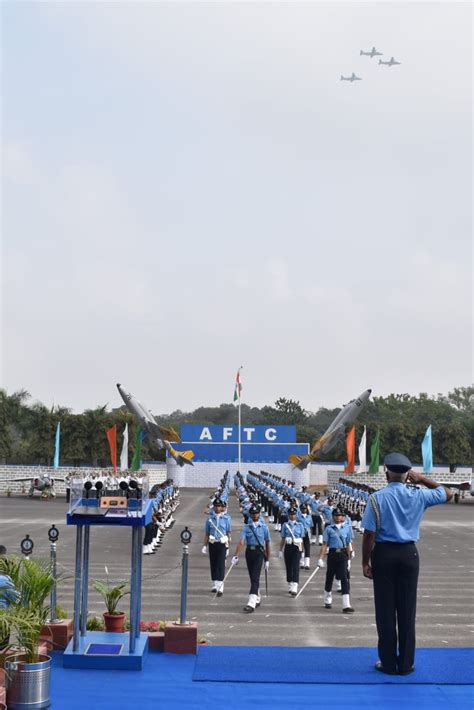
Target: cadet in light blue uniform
x,y
303,516
292,533
337,539
389,556
256,536
217,531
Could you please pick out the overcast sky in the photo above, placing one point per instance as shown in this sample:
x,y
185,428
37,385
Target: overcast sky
x,y
189,187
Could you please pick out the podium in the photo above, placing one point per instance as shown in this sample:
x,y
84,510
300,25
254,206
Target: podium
x,y
98,649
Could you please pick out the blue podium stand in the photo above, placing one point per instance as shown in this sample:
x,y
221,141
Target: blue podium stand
x,y
98,649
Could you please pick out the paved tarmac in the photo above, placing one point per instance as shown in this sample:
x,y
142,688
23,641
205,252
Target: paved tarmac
x,y
445,594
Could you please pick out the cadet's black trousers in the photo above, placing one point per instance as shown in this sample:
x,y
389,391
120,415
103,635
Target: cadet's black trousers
x,y
317,524
395,568
217,552
292,556
337,566
254,558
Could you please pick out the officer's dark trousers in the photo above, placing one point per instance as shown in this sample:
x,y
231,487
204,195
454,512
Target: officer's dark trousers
x,y
317,524
337,566
307,546
150,533
292,556
395,570
254,559
217,552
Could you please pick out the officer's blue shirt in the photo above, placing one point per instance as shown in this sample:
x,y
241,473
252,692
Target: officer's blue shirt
x,y
326,512
398,511
335,537
8,593
252,533
223,525
290,529
306,520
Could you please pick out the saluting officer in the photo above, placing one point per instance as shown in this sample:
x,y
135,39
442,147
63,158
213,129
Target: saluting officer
x,y
256,535
337,539
217,537
292,533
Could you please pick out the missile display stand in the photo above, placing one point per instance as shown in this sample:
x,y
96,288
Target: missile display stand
x,y
101,649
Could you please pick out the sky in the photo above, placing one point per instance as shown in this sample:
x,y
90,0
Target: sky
x,y
189,187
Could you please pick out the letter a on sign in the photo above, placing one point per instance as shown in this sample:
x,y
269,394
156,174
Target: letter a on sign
x,y
205,434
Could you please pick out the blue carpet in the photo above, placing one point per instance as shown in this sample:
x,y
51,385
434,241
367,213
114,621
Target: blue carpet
x,y
279,664
166,683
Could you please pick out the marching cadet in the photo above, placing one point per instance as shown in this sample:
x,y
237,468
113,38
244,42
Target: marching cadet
x,y
317,520
216,540
292,533
256,536
304,517
337,539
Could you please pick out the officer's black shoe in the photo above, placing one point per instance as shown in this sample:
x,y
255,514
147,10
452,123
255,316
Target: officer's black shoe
x,y
258,603
220,594
248,609
348,610
339,591
410,670
328,606
379,667
293,594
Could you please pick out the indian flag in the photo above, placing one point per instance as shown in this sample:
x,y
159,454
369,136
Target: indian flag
x,y
238,386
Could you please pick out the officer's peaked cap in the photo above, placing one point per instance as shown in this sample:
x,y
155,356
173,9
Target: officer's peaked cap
x,y
292,511
337,511
398,463
254,509
219,501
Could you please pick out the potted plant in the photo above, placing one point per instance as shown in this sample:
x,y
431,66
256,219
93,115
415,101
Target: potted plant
x,y
23,614
114,620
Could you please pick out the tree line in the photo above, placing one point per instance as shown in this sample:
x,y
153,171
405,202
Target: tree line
x,y
27,429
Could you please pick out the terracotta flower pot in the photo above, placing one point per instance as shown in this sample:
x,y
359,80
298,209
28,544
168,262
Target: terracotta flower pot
x,y
114,622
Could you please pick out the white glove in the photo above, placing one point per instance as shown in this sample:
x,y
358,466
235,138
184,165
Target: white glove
x,y
353,554
321,563
204,550
267,565
235,560
280,554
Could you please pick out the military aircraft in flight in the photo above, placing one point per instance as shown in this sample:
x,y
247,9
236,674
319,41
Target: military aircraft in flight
x,y
333,433
161,436
43,483
373,53
351,78
391,62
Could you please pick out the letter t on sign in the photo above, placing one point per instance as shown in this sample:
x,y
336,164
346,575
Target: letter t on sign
x,y
248,432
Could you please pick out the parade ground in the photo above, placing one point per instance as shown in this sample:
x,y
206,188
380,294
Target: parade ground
x,y
445,616
286,654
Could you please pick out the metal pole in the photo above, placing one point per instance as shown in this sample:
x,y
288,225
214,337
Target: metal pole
x,y
77,589
184,585
85,579
52,615
133,576
139,578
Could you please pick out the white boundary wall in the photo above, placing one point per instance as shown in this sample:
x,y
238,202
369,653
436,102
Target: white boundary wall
x,y
207,474
156,472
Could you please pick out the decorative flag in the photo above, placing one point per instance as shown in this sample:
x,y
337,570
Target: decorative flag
x,y
56,448
112,437
350,448
238,386
375,454
427,452
124,454
363,453
137,456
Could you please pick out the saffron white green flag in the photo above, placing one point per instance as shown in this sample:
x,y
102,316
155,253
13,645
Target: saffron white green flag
x,y
124,454
238,386
363,453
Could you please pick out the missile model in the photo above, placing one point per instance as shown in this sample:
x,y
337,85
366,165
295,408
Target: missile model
x,y
325,443
160,435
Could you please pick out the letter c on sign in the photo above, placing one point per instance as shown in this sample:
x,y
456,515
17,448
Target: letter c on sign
x,y
270,434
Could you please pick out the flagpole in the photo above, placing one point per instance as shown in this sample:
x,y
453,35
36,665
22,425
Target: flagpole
x,y
240,442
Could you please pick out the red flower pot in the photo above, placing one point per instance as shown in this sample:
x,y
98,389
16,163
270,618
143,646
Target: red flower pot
x,y
114,622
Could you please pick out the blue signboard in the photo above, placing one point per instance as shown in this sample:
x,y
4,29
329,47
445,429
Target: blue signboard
x,y
229,434
259,443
